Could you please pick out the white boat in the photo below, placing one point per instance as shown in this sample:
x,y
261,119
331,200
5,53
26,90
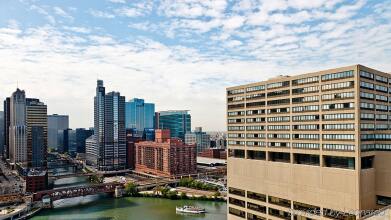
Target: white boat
x,y
190,210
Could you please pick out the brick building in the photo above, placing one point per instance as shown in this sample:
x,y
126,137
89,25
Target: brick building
x,y
168,157
216,153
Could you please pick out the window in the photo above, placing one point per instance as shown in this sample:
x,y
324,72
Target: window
x,y
236,153
279,213
279,201
256,155
338,126
279,102
255,207
365,74
339,162
278,144
255,96
367,126
338,136
366,95
383,200
333,214
236,120
277,85
339,75
251,216
256,112
306,127
256,135
365,105
236,128
278,93
279,157
344,116
307,108
343,95
382,98
305,90
233,106
381,88
279,119
339,147
236,135
255,128
367,162
278,127
255,120
255,88
341,85
338,106
305,118
238,143
306,145
256,196
314,98
237,202
367,116
307,159
256,144
278,136
235,91
237,212
238,113
381,127
238,192
306,136
305,80
306,208
254,104
278,110
381,79
383,108
235,99
366,85
381,117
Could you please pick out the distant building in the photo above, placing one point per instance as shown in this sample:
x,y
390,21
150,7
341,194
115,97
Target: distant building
x,y
215,153
178,122
92,151
168,157
18,128
7,123
73,141
56,123
132,137
81,136
2,141
199,138
139,114
109,129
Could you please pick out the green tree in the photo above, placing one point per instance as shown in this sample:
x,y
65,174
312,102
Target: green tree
x,y
183,195
131,189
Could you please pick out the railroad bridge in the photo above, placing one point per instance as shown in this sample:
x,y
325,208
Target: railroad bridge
x,y
76,191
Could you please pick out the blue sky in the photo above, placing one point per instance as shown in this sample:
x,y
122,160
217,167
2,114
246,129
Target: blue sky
x,y
179,54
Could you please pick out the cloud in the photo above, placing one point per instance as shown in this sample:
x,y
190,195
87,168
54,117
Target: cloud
x,y
118,1
101,14
59,11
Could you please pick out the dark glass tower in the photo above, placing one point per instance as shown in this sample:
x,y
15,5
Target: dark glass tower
x,y
178,122
109,129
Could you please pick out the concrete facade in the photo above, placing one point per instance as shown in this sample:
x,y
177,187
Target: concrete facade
x,y
319,142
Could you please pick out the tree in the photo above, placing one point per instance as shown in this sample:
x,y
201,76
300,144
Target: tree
x,y
96,178
183,195
131,189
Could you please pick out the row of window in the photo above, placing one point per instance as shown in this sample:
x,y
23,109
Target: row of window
x,y
373,137
314,146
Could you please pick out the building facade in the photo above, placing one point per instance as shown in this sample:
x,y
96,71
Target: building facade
x,y
199,138
18,128
166,156
178,122
56,123
2,134
139,114
109,129
7,123
319,142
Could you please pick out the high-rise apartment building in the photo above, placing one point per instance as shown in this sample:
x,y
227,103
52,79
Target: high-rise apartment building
x,y
178,122
199,138
56,123
318,142
109,129
168,157
139,114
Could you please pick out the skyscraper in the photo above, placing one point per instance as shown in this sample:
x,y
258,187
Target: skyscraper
x,y
139,114
315,143
18,128
199,138
2,133
56,123
7,123
178,122
109,129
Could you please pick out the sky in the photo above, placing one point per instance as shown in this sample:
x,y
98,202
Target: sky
x,y
179,54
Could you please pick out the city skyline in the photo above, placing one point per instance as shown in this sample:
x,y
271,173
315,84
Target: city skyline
x,y
184,53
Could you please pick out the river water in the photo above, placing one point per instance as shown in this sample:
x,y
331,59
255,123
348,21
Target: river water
x,y
104,207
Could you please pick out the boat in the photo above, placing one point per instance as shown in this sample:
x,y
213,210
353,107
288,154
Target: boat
x,y
190,210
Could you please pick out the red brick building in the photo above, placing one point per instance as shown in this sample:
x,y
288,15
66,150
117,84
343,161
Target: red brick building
x,y
214,153
168,157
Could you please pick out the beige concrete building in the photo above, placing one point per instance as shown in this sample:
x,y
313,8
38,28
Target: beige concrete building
x,y
310,146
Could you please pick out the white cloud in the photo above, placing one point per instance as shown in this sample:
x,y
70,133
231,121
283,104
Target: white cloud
x,y
118,1
234,22
101,14
59,11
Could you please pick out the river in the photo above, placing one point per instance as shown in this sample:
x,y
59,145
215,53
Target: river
x,y
104,207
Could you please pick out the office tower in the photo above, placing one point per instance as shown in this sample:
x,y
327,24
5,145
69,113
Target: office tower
x,y
56,123
73,141
18,128
36,121
166,156
109,129
6,106
199,138
319,142
139,114
92,151
178,122
2,133
81,136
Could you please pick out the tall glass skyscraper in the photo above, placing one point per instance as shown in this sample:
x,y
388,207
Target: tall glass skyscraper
x,y
179,122
139,114
109,129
